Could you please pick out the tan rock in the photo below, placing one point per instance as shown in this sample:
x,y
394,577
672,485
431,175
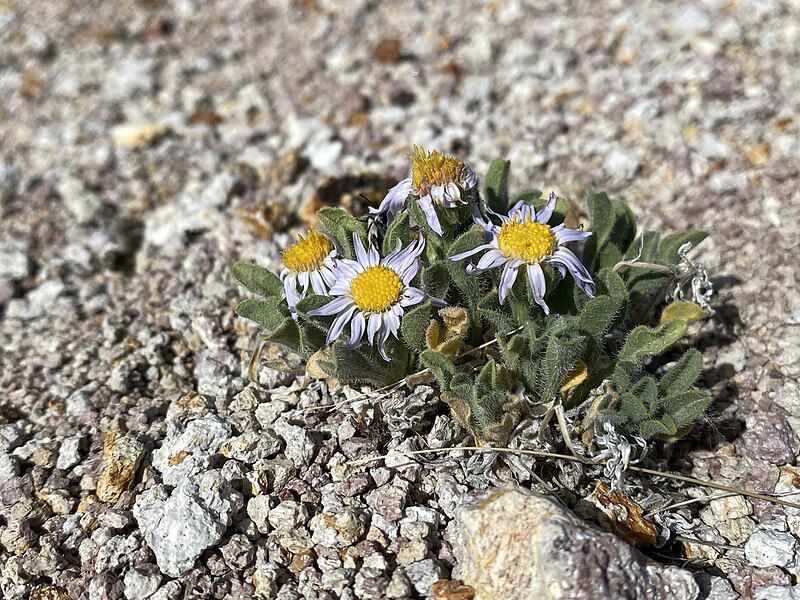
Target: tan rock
x,y
517,544
122,456
138,135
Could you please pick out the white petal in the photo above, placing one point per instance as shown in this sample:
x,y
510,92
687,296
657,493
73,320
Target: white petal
x,y
356,329
361,253
318,284
468,253
565,235
507,279
538,286
408,275
426,205
373,325
490,260
546,213
333,307
392,322
412,296
337,327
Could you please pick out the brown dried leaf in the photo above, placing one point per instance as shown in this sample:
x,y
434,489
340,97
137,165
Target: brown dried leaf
x,y
623,517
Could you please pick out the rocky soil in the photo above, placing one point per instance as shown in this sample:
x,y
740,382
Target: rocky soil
x,y
147,145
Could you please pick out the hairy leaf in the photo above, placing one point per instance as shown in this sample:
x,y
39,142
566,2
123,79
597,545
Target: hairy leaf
x,y
496,185
682,375
257,279
341,225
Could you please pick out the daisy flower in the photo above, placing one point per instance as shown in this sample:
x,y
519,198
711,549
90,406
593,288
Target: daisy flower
x,y
524,239
372,293
435,178
308,262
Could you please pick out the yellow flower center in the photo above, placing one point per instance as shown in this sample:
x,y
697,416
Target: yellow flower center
x,y
308,252
376,289
433,168
526,240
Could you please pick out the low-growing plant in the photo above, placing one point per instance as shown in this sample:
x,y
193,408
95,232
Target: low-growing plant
x,y
504,298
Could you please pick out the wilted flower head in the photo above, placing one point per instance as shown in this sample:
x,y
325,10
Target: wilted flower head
x,y
307,262
435,178
525,238
373,293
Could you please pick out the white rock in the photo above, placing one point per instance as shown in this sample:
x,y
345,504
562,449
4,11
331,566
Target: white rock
x,y
169,591
299,446
620,164
777,592
730,507
424,573
251,446
68,453
735,355
689,19
83,204
178,527
189,450
14,263
323,155
288,515
139,586
9,467
767,548
258,511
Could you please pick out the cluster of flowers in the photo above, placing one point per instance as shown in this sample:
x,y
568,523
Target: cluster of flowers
x,y
371,292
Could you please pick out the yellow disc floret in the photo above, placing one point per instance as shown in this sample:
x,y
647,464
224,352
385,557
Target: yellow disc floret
x,y
308,252
376,288
527,240
433,168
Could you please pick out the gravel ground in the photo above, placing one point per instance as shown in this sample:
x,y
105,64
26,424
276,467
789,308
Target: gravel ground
x,y
148,145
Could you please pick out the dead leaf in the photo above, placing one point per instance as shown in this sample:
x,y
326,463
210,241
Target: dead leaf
x,y
623,517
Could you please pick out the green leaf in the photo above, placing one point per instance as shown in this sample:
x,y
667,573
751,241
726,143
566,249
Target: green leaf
x,y
686,407
644,342
436,279
341,225
497,185
564,348
353,365
668,249
466,241
646,391
440,366
599,314
498,315
256,279
609,282
266,313
398,230
602,218
632,409
652,427
624,230
278,327
414,325
682,375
